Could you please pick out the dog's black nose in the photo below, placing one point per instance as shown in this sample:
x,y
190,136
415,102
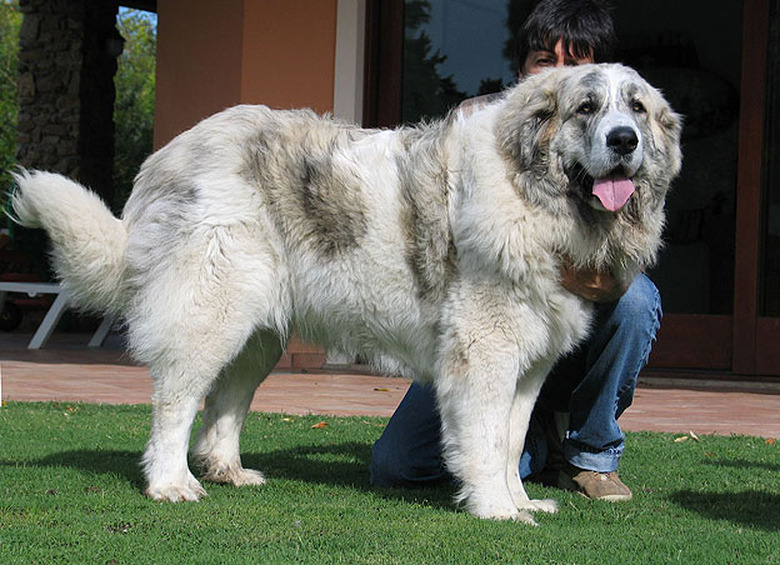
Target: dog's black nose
x,y
622,140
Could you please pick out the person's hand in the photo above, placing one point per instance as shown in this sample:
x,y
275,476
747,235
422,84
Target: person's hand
x,y
591,284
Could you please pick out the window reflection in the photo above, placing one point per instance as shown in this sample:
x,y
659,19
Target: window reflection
x,y
453,50
456,49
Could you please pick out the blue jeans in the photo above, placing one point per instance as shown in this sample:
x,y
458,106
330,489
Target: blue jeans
x,y
594,384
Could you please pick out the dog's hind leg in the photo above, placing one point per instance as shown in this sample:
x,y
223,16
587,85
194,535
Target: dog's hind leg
x,y
179,386
216,449
185,372
528,387
188,323
165,459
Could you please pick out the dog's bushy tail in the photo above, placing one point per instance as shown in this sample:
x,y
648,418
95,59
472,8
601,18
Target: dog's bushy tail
x,y
88,242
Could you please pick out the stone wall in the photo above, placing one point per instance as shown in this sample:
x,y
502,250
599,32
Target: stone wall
x,y
66,89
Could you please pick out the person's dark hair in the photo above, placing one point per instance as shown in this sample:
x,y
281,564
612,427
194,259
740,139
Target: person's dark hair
x,y
584,25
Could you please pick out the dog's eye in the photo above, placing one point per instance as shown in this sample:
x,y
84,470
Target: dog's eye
x,y
638,107
585,108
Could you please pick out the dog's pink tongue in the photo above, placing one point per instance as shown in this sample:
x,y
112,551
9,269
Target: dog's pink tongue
x,y
613,191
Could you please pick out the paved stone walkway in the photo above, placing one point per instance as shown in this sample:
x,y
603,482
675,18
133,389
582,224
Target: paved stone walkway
x,y
107,376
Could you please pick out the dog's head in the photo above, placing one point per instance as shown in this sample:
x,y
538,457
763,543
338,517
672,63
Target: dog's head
x,y
594,140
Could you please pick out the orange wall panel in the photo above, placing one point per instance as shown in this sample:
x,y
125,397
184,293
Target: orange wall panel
x,y
289,53
212,55
199,50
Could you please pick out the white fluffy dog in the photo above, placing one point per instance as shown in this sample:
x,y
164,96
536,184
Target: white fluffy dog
x,y
434,251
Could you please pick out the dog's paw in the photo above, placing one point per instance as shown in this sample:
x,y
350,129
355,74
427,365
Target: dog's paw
x,y
542,505
248,477
191,492
526,518
491,509
515,515
237,476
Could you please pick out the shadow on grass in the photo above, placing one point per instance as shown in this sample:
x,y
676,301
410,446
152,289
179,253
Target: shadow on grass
x,y
745,464
750,508
344,464
125,464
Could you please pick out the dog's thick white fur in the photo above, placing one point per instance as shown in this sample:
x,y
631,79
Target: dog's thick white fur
x,y
434,250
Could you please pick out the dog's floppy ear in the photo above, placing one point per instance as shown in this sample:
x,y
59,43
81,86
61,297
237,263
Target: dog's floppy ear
x,y
667,129
528,119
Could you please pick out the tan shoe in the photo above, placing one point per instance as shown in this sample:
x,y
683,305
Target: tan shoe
x,y
594,485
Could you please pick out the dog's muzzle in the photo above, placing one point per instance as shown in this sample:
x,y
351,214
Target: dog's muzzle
x,y
614,190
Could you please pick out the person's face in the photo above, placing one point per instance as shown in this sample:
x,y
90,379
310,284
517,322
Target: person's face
x,y
537,61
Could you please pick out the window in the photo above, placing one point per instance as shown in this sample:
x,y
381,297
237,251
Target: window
x,y
454,49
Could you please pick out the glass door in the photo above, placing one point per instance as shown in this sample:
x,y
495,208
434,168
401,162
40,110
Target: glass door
x,y
672,44
709,59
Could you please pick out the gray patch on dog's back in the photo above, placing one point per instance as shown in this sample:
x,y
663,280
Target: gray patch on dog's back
x,y
166,220
292,164
163,195
423,173
332,204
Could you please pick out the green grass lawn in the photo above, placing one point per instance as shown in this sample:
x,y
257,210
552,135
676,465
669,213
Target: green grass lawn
x,y
70,492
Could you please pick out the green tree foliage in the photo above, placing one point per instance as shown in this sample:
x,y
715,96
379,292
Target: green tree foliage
x,y
134,106
10,22
133,110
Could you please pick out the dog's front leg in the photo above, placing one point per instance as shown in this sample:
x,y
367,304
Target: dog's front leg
x,y
528,387
475,390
